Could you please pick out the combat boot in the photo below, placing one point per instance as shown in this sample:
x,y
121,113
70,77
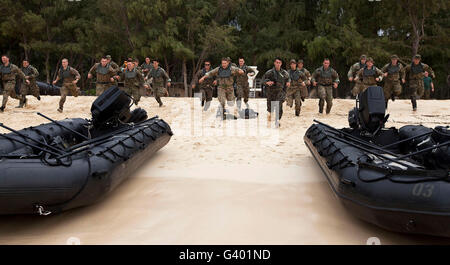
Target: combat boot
x,y
297,112
39,98
328,110
2,108
60,110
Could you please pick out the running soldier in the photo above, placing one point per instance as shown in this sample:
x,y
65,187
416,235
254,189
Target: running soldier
x,y
206,88
326,78
277,80
133,81
358,87
159,78
146,66
31,74
415,73
69,77
297,91
105,76
369,75
242,86
391,73
9,72
224,75
305,71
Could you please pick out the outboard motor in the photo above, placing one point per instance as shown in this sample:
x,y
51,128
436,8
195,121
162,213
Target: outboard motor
x,y
113,107
369,113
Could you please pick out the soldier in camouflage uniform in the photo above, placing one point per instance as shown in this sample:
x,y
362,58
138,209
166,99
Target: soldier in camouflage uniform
x,y
358,87
158,77
224,75
277,81
305,71
369,75
391,73
297,91
242,86
326,78
9,72
105,76
115,66
30,74
146,66
415,73
133,81
206,88
69,77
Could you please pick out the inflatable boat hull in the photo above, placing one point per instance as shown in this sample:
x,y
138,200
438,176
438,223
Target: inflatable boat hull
x,y
415,207
39,186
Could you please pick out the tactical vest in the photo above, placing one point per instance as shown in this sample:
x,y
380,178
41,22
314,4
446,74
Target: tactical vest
x,y
326,76
369,76
27,70
130,74
278,78
102,70
6,72
369,72
5,69
147,66
416,69
65,74
224,73
393,69
294,75
155,73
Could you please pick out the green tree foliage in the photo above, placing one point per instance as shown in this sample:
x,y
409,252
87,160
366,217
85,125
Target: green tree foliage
x,y
182,34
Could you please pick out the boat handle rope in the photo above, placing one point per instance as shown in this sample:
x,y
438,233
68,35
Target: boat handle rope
x,y
428,175
41,210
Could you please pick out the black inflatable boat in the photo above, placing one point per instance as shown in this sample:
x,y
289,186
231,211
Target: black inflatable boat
x,y
75,162
398,179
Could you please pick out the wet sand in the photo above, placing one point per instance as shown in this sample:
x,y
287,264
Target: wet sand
x,y
233,182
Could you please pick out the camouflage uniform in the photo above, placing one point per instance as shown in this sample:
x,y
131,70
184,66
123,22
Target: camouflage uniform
x,y
159,78
104,75
415,75
30,74
133,82
8,76
146,67
297,91
368,77
352,73
276,92
67,76
242,87
225,80
308,76
392,84
206,88
325,80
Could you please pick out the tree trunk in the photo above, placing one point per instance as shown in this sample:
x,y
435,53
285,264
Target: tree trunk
x,y
47,66
187,91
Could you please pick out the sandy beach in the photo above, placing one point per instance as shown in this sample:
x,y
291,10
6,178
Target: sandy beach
x,y
232,182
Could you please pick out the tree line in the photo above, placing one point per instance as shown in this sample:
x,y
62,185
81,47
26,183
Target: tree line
x,y
182,34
